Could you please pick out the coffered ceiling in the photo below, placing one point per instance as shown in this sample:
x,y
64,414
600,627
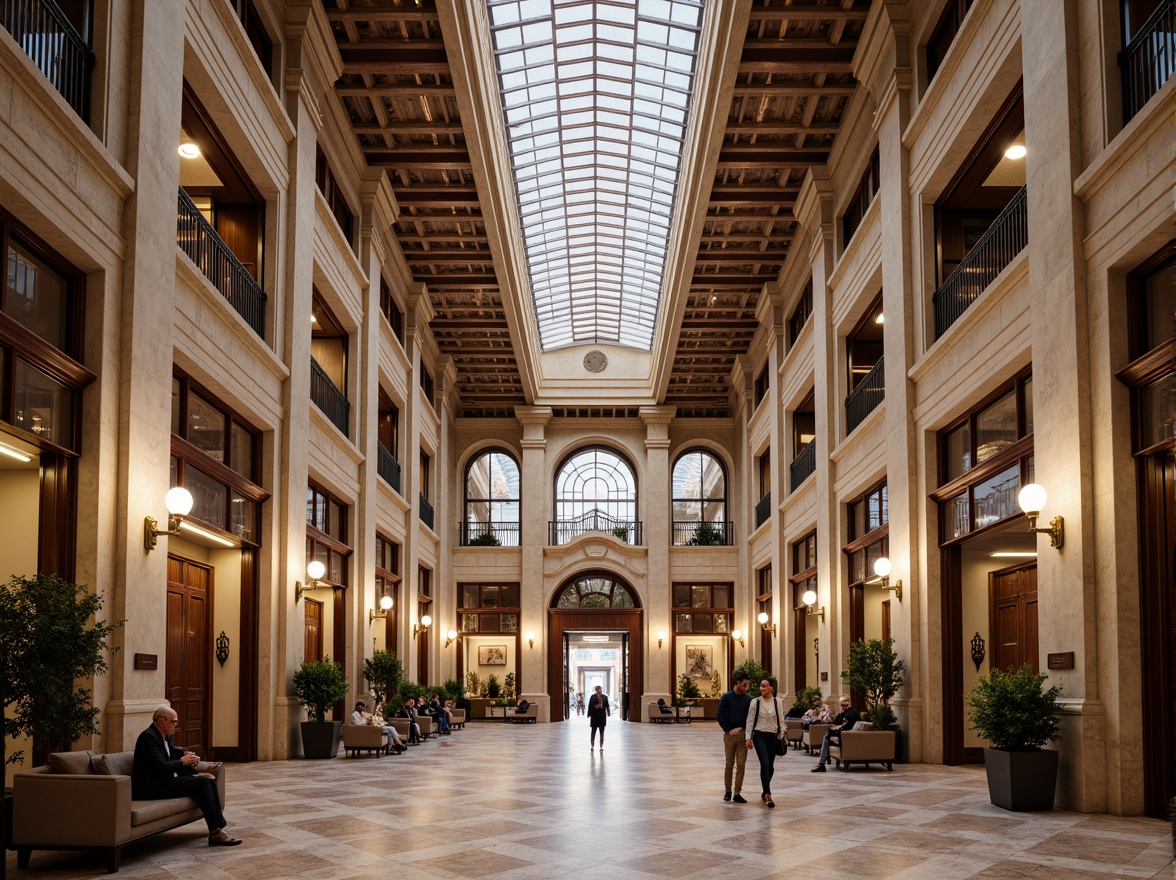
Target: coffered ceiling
x,y
791,87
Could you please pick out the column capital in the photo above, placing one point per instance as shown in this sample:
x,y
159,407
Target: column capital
x,y
534,420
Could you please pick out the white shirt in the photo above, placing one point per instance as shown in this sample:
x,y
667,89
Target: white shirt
x,y
769,711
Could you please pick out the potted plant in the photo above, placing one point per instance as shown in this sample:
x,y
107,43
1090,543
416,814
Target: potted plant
x,y
688,691
621,533
508,687
48,645
493,688
705,535
383,672
485,538
808,698
754,671
319,685
875,671
1017,715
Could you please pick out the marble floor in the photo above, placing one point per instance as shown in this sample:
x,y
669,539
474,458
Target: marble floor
x,y
532,802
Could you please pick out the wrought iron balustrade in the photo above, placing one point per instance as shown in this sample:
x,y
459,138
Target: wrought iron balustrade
x,y
803,465
562,531
489,534
763,510
692,533
387,466
870,392
1004,239
54,45
220,265
426,512
328,398
1148,60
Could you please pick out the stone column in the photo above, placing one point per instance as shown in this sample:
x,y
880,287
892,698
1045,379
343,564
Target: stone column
x,y
534,512
656,537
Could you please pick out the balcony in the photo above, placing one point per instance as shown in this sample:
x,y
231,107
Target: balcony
x,y
387,467
55,46
763,510
486,534
426,512
864,399
1149,60
1005,238
328,398
703,534
802,466
212,256
563,531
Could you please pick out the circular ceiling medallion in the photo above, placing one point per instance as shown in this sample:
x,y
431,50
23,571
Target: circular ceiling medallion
x,y
595,361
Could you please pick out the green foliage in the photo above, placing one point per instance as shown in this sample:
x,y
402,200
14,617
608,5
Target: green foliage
x,y
1014,711
756,672
882,716
687,690
493,688
452,690
473,684
875,670
508,686
621,532
808,698
46,647
406,691
383,672
485,538
705,535
594,600
319,685
716,684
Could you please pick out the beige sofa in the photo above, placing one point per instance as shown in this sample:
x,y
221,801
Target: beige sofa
x,y
532,714
811,738
364,738
80,800
864,747
458,721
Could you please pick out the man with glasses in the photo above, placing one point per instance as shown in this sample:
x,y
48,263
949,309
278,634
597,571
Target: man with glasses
x,y
163,770
845,721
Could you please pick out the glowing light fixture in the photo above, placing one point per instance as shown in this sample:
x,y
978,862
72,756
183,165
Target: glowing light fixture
x,y
189,150
178,502
1016,151
1032,498
882,570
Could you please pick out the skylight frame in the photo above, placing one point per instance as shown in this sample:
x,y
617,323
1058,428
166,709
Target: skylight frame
x,y
596,111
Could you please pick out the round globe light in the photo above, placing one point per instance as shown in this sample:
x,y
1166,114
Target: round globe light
x,y
882,567
809,597
661,634
1032,499
315,570
178,501
737,634
426,621
762,617
385,603
451,635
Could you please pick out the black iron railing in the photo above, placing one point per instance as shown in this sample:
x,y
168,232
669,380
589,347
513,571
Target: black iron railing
x,y
484,534
701,534
329,398
870,392
387,466
426,512
212,256
562,531
55,46
802,466
763,510
1005,238
1148,60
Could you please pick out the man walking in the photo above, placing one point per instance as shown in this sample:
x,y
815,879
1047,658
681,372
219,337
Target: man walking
x,y
845,721
598,712
732,717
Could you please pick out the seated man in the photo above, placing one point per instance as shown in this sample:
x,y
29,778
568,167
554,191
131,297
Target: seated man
x,y
410,712
362,718
162,770
845,721
663,708
523,706
440,716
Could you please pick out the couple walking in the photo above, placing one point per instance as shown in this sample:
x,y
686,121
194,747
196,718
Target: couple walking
x,y
750,724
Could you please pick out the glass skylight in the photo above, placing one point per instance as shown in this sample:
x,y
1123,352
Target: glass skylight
x,y
595,94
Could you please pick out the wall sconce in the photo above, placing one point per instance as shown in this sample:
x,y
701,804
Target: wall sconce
x,y
385,607
763,618
178,502
423,626
531,638
661,637
222,648
1032,499
737,635
449,637
810,599
314,571
882,569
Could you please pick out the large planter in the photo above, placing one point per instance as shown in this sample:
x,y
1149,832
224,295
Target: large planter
x,y
1022,780
320,739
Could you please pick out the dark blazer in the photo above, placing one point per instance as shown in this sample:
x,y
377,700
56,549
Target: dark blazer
x,y
598,711
847,720
157,762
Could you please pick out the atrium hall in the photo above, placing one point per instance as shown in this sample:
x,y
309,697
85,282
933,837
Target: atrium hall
x,y
530,328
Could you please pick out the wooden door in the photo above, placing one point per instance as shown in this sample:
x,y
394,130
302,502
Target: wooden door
x,y
189,657
313,650
600,620
1013,617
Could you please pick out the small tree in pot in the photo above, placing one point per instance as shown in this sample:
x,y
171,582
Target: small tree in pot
x,y
383,672
319,685
875,670
1014,712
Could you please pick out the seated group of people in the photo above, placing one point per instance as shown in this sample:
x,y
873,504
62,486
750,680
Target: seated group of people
x,y
440,712
844,720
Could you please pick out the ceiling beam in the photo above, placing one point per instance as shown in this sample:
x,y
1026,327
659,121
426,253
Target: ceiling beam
x,y
777,128
396,90
366,13
806,12
717,257
768,57
435,158
406,58
769,157
436,197
416,127
790,89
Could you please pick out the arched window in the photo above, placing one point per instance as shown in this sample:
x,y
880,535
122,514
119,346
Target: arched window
x,y
491,501
700,500
596,591
596,490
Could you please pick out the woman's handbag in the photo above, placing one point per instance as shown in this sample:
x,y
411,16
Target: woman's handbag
x,y
781,743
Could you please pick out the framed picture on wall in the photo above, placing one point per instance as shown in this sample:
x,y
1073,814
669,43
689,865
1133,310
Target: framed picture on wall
x,y
492,655
700,663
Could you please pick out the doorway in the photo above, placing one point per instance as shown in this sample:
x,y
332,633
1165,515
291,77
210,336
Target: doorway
x,y
189,661
594,659
1013,617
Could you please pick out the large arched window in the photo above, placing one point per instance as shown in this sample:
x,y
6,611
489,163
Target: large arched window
x,y
491,501
596,591
700,500
596,490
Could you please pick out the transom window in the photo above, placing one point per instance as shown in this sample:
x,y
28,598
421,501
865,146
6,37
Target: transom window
x,y
492,501
595,96
869,531
702,608
326,533
489,608
596,591
700,499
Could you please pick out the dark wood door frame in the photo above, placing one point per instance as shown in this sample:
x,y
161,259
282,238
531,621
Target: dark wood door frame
x,y
599,620
188,658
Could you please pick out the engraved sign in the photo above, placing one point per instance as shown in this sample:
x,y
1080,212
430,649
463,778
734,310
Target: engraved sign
x,y
146,661
1060,661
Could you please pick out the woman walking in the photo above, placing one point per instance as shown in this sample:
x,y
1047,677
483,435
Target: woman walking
x,y
598,713
764,729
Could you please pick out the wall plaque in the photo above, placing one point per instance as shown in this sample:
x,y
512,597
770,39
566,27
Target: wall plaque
x,y
824,676
1060,661
146,661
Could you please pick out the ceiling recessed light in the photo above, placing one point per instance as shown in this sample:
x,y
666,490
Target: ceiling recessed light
x,y
196,530
1016,151
189,150
1011,554
878,320
12,453
594,638
313,319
